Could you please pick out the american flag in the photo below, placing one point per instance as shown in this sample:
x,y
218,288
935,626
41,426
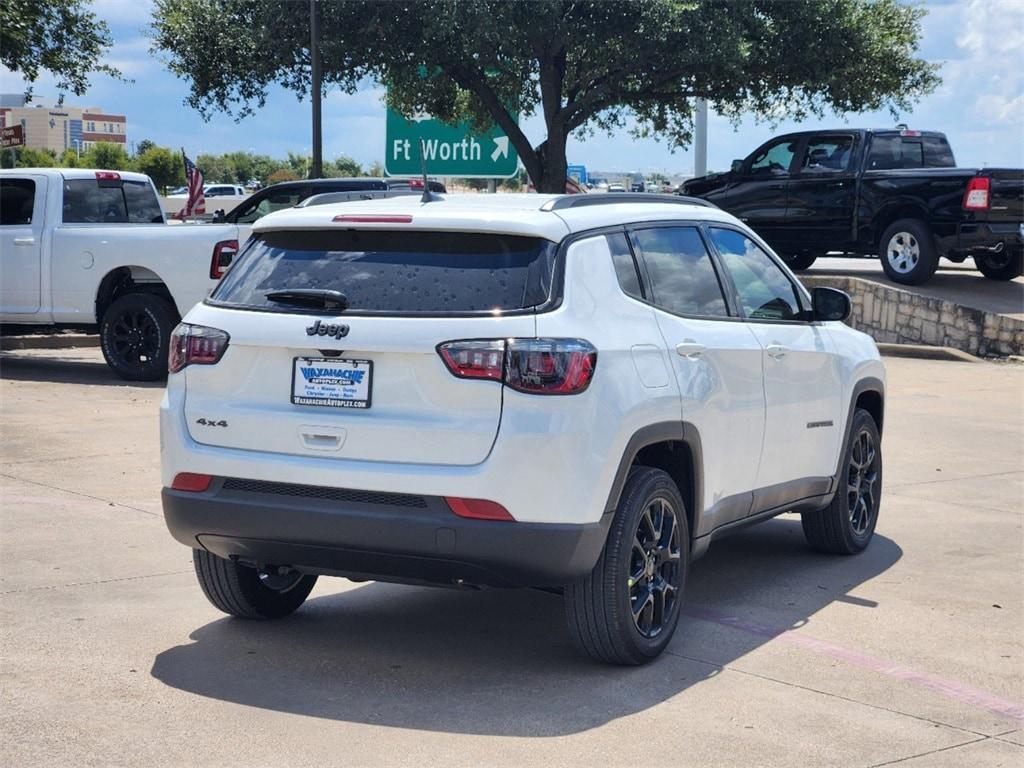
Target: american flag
x,y
196,203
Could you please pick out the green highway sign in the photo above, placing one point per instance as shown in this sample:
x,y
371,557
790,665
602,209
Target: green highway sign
x,y
450,150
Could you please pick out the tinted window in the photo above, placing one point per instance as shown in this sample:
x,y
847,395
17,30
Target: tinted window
x,y
683,279
273,201
625,267
16,200
774,159
764,290
827,154
86,202
436,272
891,152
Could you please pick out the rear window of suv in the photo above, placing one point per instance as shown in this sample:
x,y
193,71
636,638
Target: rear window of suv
x,y
394,272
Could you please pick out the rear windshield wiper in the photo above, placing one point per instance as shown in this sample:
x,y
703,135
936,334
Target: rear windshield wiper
x,y
318,298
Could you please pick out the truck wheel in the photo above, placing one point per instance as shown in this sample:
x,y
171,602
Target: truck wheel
x,y
249,593
845,526
1001,266
135,334
626,609
799,261
907,251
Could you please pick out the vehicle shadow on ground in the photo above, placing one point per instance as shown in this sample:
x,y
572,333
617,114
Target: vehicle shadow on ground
x,y
61,370
500,662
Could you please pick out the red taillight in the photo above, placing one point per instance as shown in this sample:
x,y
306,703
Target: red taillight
x,y
373,218
976,198
474,359
224,253
415,183
534,366
478,509
195,345
191,481
108,176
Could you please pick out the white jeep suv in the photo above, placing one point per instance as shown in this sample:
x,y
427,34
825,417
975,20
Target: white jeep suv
x,y
570,392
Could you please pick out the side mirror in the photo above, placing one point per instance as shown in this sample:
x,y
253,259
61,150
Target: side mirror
x,y
737,166
831,304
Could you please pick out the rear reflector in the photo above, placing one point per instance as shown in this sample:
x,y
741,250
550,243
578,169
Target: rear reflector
x,y
373,218
191,481
976,198
478,509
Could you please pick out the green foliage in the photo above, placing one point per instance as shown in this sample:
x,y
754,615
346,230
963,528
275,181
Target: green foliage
x,y
27,157
106,155
584,65
62,37
342,167
142,146
282,174
164,166
68,159
376,170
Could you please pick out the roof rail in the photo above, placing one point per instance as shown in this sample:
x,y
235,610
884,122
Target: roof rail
x,y
613,198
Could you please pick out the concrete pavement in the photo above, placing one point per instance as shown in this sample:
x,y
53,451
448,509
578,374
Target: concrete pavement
x,y
912,652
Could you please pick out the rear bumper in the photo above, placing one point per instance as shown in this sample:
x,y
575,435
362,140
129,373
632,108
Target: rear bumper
x,y
378,536
981,237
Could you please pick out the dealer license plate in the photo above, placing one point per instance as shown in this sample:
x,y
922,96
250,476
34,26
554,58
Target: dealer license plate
x,y
332,382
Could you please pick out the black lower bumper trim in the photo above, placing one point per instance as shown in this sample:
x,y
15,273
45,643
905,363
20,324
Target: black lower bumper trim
x,y
381,541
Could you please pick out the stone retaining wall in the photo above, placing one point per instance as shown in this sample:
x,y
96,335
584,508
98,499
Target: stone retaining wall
x,y
896,316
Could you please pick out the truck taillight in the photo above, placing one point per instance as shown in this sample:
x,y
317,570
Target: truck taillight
x,y
196,345
976,198
534,366
224,253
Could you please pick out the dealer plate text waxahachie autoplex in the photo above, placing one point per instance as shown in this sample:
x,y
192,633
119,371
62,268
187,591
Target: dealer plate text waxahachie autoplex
x,y
335,383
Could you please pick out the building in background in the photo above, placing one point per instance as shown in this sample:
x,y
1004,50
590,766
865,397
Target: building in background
x,y
59,127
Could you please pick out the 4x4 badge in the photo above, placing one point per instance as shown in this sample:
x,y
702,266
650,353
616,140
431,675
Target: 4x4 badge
x,y
335,330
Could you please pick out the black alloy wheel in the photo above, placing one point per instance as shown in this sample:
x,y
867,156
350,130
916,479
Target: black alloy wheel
x,y
135,335
654,568
862,482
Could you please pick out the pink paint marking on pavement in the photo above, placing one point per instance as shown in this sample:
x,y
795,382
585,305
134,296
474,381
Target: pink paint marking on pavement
x,y
947,688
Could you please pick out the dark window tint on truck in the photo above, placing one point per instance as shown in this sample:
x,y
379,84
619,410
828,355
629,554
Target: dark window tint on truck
x,y
394,272
86,201
892,152
17,197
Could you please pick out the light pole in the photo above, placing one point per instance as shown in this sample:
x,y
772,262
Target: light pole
x,y
700,139
316,170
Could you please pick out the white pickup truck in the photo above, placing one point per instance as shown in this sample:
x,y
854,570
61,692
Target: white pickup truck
x,y
88,248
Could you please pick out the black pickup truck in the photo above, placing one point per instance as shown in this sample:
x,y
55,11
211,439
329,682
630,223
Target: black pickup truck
x,y
894,193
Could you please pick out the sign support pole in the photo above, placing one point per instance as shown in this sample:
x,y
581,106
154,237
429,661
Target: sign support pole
x,y
700,139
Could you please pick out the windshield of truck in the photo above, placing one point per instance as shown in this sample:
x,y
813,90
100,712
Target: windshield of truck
x,y
394,272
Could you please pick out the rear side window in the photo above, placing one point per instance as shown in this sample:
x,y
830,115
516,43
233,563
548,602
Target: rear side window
x,y
254,210
764,291
893,152
683,279
86,201
827,154
395,272
625,266
16,200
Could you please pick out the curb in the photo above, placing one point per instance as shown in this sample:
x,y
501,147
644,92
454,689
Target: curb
x,y
924,352
56,341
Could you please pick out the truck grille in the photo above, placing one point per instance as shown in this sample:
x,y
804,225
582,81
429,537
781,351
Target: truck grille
x,y
330,494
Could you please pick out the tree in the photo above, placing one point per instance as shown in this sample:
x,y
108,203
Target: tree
x,y
163,166
376,169
69,159
342,167
583,65
27,157
106,155
59,36
143,146
282,174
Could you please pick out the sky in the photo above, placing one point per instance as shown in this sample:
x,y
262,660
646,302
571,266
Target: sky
x,y
980,104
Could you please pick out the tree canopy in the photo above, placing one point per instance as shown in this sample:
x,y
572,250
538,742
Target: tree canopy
x,y
584,66
58,36
162,165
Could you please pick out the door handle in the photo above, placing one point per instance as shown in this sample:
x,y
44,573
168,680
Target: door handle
x,y
690,348
24,241
776,351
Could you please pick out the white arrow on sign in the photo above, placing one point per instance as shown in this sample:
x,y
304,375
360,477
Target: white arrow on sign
x,y
501,150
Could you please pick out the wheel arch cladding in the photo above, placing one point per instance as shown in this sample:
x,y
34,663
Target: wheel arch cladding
x,y
122,280
672,446
869,394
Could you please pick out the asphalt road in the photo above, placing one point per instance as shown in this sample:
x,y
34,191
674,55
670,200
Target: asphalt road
x,y
912,652
959,283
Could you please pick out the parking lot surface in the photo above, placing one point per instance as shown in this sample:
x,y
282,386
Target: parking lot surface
x,y
912,652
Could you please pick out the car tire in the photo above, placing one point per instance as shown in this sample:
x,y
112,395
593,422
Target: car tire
x,y
907,251
246,592
643,565
847,524
135,334
798,262
1001,266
